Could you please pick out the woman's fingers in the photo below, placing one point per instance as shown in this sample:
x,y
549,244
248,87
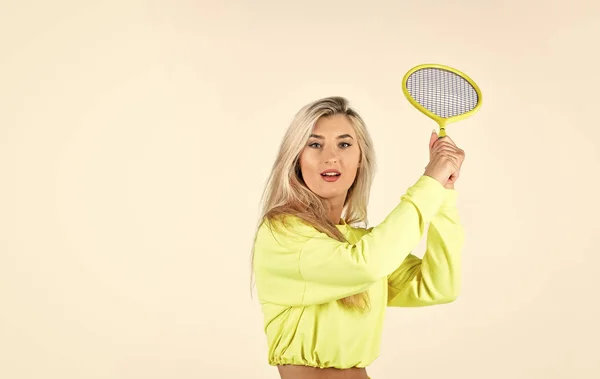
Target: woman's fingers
x,y
446,139
444,155
447,149
450,152
448,146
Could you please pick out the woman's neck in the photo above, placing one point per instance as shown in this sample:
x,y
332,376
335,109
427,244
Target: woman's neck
x,y
336,206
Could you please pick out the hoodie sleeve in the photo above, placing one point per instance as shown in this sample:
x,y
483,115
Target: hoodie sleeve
x,y
296,264
436,278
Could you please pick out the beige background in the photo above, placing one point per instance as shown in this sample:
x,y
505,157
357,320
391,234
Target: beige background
x,y
136,137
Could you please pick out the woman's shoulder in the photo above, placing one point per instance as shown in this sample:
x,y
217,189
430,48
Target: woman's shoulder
x,y
284,229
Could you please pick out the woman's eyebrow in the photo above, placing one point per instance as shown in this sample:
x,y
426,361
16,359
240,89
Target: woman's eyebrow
x,y
338,137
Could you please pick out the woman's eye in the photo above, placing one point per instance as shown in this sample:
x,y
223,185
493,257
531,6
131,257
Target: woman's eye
x,y
317,145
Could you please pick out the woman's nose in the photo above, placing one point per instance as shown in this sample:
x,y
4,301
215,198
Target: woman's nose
x,y
331,156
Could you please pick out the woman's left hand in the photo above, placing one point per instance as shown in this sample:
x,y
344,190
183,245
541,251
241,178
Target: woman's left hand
x,y
446,142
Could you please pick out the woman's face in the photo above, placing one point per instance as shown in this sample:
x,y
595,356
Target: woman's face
x,y
330,159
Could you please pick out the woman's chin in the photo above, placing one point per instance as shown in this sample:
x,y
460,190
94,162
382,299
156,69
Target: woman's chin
x,y
332,193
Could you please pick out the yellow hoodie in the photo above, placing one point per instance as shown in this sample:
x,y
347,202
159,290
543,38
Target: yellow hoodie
x,y
301,272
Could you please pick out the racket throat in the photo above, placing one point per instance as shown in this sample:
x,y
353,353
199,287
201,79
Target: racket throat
x,y
442,132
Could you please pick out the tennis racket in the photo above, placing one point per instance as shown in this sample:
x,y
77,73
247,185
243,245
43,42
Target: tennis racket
x,y
442,93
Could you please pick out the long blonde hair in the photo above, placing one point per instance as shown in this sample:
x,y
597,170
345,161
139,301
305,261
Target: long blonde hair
x,y
287,194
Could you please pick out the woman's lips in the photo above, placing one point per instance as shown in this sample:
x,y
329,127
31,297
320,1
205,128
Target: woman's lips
x,y
330,175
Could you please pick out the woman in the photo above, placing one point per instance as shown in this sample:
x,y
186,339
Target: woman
x,y
323,281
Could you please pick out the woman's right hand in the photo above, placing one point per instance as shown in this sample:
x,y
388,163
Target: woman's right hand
x,y
445,160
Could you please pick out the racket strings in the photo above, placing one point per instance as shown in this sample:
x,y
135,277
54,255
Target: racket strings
x,y
442,92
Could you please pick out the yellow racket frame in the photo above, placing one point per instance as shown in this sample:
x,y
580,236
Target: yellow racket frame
x,y
442,122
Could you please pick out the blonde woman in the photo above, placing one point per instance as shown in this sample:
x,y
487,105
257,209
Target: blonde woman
x,y
323,277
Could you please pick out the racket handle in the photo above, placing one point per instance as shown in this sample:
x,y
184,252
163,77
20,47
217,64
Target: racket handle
x,y
442,133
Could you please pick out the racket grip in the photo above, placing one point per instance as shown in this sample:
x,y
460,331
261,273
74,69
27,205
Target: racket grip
x,y
442,133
